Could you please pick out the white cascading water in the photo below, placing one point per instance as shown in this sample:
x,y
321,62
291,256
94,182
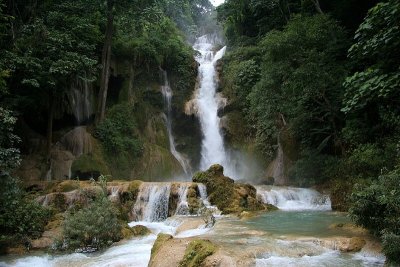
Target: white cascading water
x,y
152,202
212,148
183,206
81,99
203,194
290,198
167,94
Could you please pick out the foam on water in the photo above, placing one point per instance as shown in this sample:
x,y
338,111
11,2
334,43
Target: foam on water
x,y
291,198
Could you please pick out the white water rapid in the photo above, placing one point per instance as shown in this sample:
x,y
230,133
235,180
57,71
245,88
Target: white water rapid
x,y
212,148
152,202
167,94
291,198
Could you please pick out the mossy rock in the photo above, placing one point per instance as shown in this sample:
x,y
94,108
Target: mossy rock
x,y
161,239
225,194
87,164
157,163
137,230
67,186
193,200
140,230
134,188
196,252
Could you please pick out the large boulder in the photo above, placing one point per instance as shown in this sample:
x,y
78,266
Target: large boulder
x,y
228,196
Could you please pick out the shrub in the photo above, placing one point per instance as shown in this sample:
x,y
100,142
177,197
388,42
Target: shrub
x,y
20,217
117,131
95,226
377,208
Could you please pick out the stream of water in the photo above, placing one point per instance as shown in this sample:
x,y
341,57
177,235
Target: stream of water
x,y
302,235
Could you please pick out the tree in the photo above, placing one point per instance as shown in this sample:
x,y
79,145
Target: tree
x,y
105,63
301,84
377,207
373,87
53,49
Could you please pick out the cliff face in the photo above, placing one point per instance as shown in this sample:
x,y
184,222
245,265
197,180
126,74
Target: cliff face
x,y
134,99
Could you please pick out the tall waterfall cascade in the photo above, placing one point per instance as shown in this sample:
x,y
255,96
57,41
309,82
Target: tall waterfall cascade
x,y
167,94
207,100
290,198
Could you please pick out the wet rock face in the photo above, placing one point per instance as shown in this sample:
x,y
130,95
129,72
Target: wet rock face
x,y
225,194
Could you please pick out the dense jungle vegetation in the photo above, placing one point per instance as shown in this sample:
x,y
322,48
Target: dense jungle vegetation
x,y
324,75
321,76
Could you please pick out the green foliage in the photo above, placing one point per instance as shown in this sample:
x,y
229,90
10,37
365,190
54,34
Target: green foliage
x,y
9,153
373,87
391,247
57,46
301,81
377,207
196,252
94,226
20,217
117,131
313,168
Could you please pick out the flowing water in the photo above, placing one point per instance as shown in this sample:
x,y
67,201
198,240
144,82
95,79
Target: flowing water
x,y
290,198
212,147
301,235
152,202
167,94
81,100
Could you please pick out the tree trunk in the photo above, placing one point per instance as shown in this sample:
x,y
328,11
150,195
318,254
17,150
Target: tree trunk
x,y
105,62
50,125
130,88
317,6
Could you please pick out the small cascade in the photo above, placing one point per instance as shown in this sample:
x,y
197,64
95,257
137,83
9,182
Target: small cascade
x,y
203,194
167,94
207,105
114,193
182,207
152,202
290,198
81,100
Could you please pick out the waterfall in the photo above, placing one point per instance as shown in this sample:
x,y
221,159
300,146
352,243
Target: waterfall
x,y
81,100
203,194
212,148
290,198
152,202
167,94
114,193
182,207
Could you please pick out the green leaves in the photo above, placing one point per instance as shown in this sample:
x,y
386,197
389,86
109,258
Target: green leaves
x,y
377,207
96,225
376,51
301,80
117,131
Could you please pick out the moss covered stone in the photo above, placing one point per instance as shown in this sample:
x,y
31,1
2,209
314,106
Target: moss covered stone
x,y
137,230
161,239
225,194
196,252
